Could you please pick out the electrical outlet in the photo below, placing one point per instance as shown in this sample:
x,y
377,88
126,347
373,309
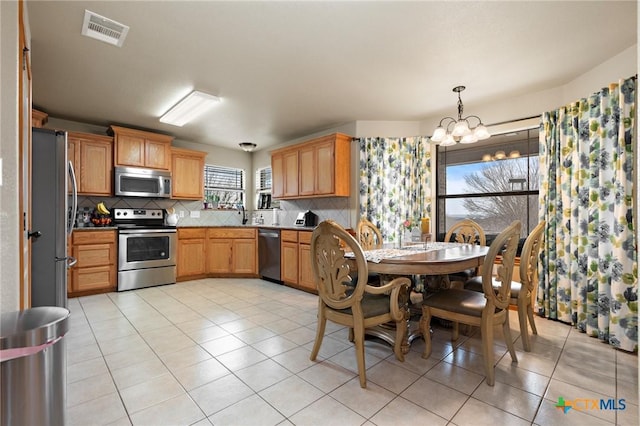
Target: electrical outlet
x,y
194,214
181,213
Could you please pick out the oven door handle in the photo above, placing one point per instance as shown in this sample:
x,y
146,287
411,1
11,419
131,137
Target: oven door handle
x,y
141,231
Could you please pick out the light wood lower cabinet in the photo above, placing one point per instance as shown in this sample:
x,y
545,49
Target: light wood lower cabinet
x,y
305,271
191,253
232,251
289,257
218,251
295,259
96,269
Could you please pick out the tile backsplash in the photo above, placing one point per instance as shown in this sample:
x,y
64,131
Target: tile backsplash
x,y
336,208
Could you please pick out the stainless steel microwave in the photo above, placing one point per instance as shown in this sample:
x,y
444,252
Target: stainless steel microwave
x,y
138,182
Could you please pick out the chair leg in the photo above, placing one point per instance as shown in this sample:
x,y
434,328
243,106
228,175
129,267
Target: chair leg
x,y
534,330
455,331
359,342
425,329
351,334
486,330
506,330
522,320
401,336
322,323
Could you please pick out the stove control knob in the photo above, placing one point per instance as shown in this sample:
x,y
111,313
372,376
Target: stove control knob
x,y
125,213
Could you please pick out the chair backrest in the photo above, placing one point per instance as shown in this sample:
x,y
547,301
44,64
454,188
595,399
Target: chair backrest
x,y
369,235
529,257
506,245
331,269
466,231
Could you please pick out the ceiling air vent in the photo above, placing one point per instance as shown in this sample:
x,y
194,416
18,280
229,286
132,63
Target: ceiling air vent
x,y
103,29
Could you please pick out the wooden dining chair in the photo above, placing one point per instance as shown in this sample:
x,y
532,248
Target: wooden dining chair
x,y
368,235
477,309
356,305
522,292
469,232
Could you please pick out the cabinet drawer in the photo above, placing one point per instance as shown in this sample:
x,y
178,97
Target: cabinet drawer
x,y
93,237
97,278
190,233
291,236
304,237
94,255
234,233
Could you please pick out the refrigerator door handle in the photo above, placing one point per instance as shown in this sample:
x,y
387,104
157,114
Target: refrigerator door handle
x,y
74,198
71,261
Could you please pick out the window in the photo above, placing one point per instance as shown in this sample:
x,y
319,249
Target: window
x,y
224,185
263,180
492,183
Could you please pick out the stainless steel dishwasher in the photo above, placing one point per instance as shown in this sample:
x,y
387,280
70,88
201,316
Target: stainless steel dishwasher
x,y
269,254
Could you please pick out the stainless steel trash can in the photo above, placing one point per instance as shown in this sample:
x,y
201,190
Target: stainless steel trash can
x,y
33,366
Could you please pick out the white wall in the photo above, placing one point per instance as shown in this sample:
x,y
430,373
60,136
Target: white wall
x,y
10,270
619,66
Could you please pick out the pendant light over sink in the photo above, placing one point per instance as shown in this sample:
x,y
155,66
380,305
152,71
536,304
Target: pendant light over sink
x,y
459,130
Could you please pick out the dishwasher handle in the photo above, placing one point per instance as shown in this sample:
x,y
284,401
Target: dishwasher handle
x,y
268,234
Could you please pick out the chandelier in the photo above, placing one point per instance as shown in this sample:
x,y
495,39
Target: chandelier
x,y
459,130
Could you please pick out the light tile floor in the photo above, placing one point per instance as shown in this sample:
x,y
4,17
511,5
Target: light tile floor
x,y
236,352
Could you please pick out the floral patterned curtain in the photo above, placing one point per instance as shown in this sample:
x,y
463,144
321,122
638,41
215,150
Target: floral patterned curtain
x,y
589,268
395,182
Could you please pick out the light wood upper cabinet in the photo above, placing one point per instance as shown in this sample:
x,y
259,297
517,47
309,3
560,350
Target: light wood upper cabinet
x,y
92,159
38,118
277,175
187,171
316,168
139,148
284,173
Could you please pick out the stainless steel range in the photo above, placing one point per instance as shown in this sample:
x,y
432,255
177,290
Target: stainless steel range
x,y
146,248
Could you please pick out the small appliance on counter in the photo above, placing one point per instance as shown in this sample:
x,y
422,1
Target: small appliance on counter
x,y
307,218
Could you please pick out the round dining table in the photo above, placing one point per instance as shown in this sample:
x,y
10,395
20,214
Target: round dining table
x,y
426,259
435,259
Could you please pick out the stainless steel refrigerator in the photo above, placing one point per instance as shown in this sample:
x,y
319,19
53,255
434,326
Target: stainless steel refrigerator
x,y
53,211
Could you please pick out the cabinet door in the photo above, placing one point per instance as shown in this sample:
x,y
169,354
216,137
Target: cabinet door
x,y
130,151
306,185
289,262
244,257
277,175
219,253
324,168
157,154
188,176
290,173
305,278
96,165
191,257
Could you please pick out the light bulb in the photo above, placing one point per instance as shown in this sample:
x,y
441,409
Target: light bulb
x,y
481,132
448,140
461,128
438,134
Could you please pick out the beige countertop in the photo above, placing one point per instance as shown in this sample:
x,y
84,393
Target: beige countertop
x,y
295,228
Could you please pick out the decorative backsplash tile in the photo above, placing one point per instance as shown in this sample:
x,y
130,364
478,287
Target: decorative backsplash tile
x,y
336,208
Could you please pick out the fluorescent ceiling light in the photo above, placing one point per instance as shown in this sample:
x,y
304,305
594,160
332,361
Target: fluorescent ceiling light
x,y
194,104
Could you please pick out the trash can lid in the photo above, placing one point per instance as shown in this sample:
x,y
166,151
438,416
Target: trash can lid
x,y
33,327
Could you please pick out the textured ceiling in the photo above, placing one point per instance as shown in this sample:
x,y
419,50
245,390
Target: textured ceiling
x,y
288,69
